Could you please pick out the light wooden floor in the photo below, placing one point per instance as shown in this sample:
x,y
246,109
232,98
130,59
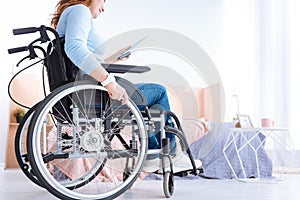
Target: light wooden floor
x,y
14,185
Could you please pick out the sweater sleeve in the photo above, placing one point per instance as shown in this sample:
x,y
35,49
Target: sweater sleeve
x,y
79,24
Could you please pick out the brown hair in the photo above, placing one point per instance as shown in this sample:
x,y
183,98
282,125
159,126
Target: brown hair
x,y
62,5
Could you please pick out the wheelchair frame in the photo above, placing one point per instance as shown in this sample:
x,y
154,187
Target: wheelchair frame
x,y
107,137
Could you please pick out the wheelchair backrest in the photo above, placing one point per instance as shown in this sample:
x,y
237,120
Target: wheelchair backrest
x,y
60,68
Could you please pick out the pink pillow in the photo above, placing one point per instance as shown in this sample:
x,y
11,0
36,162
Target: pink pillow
x,y
194,129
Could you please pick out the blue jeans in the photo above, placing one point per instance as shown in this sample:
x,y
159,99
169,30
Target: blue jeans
x,y
156,96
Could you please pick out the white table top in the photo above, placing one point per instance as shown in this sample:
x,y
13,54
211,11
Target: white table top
x,y
261,129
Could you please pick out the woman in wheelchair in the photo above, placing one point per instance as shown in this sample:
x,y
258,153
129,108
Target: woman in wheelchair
x,y
74,21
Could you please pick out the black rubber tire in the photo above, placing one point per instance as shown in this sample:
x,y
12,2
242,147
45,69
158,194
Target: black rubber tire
x,y
20,149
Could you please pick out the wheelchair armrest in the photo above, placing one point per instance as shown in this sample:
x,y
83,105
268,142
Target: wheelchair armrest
x,y
120,68
133,92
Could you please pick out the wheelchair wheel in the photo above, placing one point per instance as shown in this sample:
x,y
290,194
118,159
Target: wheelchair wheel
x,y
168,184
20,147
21,150
94,141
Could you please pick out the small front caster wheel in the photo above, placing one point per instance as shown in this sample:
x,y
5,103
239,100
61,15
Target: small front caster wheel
x,y
168,184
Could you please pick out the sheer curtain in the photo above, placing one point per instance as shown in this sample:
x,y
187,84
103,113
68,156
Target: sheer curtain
x,y
261,64
273,61
277,65
294,27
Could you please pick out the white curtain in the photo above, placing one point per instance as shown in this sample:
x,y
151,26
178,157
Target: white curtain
x,y
277,88
273,60
277,52
294,27
261,64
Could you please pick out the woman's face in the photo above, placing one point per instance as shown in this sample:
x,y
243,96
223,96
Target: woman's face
x,y
97,7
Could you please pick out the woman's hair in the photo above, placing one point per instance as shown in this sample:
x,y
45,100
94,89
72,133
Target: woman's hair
x,y
62,5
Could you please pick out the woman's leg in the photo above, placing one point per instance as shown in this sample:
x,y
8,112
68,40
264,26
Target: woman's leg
x,y
157,97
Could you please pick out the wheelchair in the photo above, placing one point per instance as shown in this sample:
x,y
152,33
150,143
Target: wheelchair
x,y
95,147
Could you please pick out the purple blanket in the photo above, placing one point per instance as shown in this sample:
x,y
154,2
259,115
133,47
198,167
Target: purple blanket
x,y
209,149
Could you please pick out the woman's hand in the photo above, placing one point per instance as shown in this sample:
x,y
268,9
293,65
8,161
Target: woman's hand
x,y
117,92
115,57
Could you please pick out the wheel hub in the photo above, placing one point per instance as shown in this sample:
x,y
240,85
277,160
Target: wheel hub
x,y
92,141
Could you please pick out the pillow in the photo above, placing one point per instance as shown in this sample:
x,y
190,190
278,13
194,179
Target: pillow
x,y
194,129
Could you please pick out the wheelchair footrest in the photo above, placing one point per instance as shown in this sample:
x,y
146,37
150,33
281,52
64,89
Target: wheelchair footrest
x,y
188,172
184,173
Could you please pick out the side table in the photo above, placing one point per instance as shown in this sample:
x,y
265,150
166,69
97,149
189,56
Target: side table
x,y
273,137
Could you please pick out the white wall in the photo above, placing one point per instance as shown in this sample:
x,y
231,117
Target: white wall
x,y
212,24
15,14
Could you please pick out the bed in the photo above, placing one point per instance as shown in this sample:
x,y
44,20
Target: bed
x,y
209,149
207,133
